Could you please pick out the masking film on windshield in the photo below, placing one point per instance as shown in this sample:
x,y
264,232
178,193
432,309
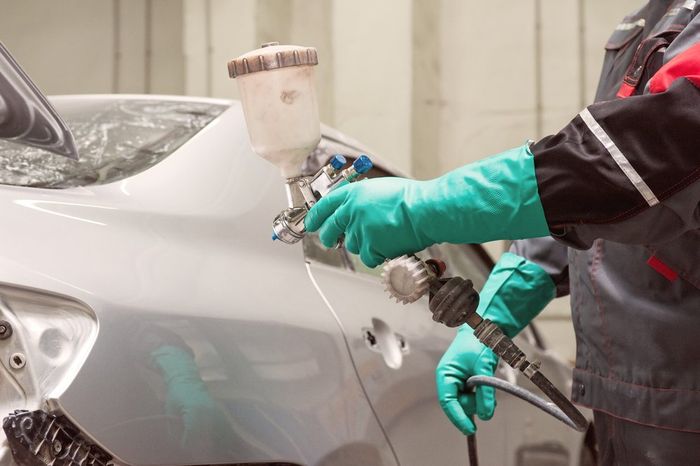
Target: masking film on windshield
x,y
116,140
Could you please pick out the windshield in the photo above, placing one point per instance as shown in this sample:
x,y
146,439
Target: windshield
x,y
115,140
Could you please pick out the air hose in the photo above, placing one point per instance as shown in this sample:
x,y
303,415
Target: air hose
x,y
569,415
453,302
547,406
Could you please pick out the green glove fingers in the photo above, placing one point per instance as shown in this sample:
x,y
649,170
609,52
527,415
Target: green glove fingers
x,y
486,396
325,208
370,257
331,230
351,243
495,198
466,357
468,402
456,411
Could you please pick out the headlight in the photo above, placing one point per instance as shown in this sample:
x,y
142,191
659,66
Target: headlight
x,y
44,340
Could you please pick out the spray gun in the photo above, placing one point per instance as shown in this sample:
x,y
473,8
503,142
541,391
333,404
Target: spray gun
x,y
278,93
288,226
453,302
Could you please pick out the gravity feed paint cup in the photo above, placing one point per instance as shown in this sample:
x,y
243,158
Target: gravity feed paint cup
x,y
278,91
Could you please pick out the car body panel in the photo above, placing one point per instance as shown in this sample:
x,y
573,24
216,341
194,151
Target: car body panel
x,y
184,247
181,247
402,388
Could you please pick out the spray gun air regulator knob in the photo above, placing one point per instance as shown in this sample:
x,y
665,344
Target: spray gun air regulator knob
x,y
288,225
337,162
362,165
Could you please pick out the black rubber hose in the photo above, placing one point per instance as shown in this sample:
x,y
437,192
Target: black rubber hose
x,y
471,448
570,416
526,395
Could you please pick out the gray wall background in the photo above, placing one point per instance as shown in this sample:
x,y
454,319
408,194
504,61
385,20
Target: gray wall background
x,y
430,85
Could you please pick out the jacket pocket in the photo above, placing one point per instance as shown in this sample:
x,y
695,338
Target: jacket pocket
x,y
682,256
625,33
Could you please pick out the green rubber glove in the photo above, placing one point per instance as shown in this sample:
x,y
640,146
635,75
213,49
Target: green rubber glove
x,y
204,425
465,357
515,292
383,218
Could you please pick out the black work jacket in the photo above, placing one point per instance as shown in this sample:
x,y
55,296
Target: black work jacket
x,y
621,193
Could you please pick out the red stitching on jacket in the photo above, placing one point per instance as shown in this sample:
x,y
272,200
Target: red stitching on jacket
x,y
660,389
616,441
673,189
576,299
685,65
655,43
634,421
597,261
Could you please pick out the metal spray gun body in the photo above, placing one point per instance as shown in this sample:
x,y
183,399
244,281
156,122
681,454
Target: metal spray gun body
x,y
288,226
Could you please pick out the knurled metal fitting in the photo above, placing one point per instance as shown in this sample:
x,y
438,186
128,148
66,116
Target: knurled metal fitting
x,y
492,336
406,279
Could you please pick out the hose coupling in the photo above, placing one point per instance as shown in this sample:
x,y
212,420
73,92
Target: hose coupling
x,y
492,336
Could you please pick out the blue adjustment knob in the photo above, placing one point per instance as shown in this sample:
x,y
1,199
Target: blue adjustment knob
x,y
338,161
363,164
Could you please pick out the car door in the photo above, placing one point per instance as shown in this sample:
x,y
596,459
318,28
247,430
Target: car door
x,y
396,349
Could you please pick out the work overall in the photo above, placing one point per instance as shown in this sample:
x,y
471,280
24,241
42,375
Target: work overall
x,y
635,304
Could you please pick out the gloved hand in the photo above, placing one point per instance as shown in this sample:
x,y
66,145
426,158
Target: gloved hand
x,y
383,218
204,425
465,357
515,292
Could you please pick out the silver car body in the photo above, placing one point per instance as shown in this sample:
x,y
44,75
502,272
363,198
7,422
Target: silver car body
x,y
307,358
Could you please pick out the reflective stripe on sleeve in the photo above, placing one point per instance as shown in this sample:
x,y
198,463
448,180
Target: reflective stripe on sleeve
x,y
627,26
619,158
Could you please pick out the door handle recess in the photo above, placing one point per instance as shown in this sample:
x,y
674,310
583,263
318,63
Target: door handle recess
x,y
380,339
